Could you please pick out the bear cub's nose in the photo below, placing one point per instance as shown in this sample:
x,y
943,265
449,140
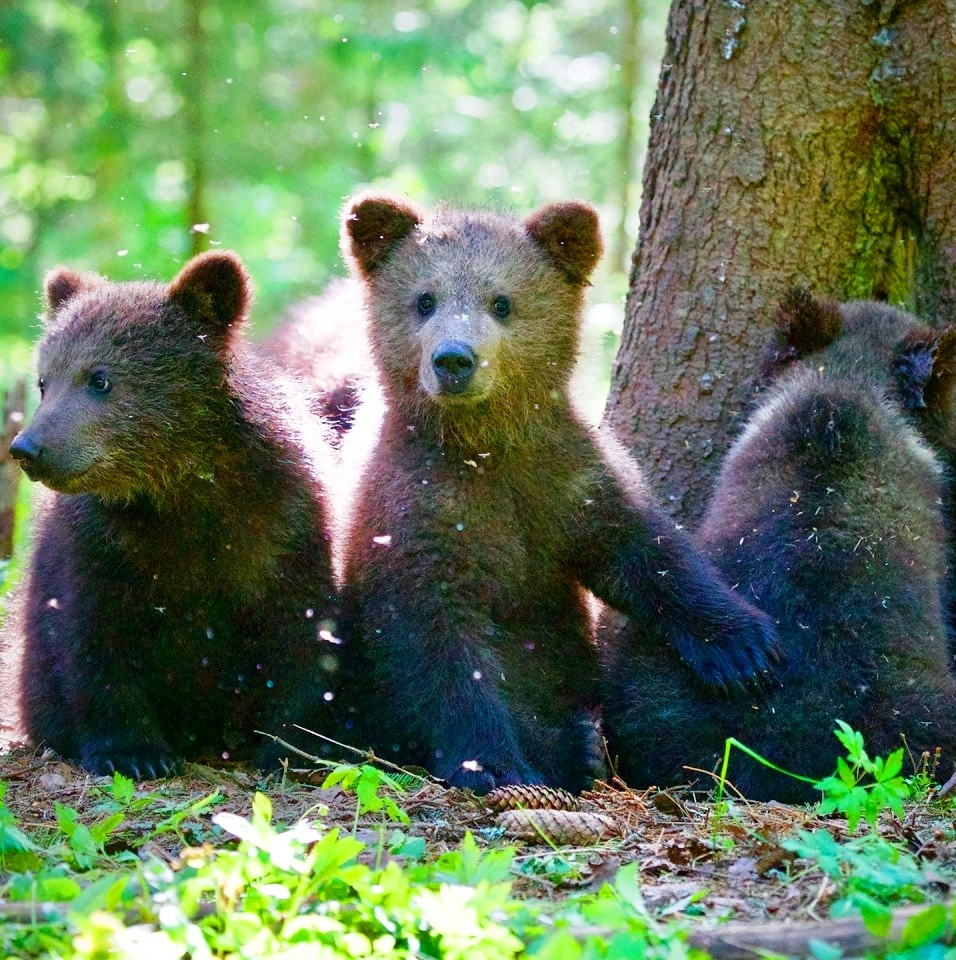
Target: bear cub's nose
x,y
454,364
23,449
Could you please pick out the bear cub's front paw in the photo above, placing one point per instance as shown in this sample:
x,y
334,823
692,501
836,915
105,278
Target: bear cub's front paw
x,y
132,757
737,650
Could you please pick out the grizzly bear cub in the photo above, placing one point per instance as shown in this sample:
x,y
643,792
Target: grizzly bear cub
x,y
827,515
489,508
180,573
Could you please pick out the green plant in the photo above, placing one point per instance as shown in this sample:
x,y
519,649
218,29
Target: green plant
x,y
847,792
367,782
17,850
869,873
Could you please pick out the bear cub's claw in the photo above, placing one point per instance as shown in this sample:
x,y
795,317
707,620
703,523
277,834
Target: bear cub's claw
x,y
138,759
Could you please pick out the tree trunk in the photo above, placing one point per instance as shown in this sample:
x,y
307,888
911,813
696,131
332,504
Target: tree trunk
x,y
194,93
808,142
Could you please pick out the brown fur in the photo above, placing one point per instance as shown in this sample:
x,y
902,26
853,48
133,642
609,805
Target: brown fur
x,y
323,344
827,514
180,573
489,507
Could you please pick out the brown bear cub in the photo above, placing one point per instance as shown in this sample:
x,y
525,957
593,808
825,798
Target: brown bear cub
x,y
180,573
827,514
488,507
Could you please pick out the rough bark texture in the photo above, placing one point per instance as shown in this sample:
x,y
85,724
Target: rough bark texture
x,y
806,142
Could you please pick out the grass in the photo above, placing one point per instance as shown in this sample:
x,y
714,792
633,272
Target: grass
x,y
256,889
143,871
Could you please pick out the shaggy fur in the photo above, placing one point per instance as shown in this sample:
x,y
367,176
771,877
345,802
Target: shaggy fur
x,y
827,515
180,574
489,507
323,344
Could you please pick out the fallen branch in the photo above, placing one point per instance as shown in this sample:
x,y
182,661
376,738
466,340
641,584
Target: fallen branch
x,y
746,941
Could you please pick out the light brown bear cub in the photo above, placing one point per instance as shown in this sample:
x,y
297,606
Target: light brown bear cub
x,y
489,507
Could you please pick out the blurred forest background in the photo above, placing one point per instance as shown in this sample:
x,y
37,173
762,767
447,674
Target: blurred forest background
x,y
134,134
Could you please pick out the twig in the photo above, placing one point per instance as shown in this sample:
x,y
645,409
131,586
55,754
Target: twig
x,y
368,756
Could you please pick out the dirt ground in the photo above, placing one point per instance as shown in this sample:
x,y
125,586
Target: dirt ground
x,y
741,893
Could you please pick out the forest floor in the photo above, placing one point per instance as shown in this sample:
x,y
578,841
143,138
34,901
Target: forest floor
x,y
738,873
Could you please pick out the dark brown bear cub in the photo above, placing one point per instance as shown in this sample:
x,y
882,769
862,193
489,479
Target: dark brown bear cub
x,y
827,514
180,573
489,507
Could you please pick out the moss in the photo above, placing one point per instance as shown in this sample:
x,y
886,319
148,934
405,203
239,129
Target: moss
x,y
880,263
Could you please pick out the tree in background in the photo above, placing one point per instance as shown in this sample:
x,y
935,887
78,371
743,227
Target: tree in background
x,y
133,134
808,142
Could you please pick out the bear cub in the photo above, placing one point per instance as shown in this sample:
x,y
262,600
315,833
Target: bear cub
x,y
488,507
180,572
827,515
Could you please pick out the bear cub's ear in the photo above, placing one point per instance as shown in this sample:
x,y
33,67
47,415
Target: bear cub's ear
x,y
373,224
214,286
925,370
804,324
570,234
61,285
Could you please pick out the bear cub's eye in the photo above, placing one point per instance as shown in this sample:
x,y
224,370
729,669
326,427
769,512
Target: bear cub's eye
x,y
501,307
426,304
100,382
41,383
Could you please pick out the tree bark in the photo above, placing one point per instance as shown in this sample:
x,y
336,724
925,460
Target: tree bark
x,y
808,142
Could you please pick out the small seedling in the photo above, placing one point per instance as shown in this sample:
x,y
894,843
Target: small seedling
x,y
367,782
846,792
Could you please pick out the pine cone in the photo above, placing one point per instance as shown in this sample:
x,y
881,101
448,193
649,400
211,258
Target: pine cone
x,y
530,797
559,826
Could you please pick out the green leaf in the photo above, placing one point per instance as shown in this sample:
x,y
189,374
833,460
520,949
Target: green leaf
x,y
107,893
560,945
50,888
927,925
877,917
846,774
101,831
851,740
261,808
122,788
344,775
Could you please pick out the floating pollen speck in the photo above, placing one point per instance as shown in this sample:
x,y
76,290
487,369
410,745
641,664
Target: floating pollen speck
x,y
328,637
472,765
200,228
385,540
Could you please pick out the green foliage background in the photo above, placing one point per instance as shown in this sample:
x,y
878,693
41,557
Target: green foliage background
x,y
124,124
